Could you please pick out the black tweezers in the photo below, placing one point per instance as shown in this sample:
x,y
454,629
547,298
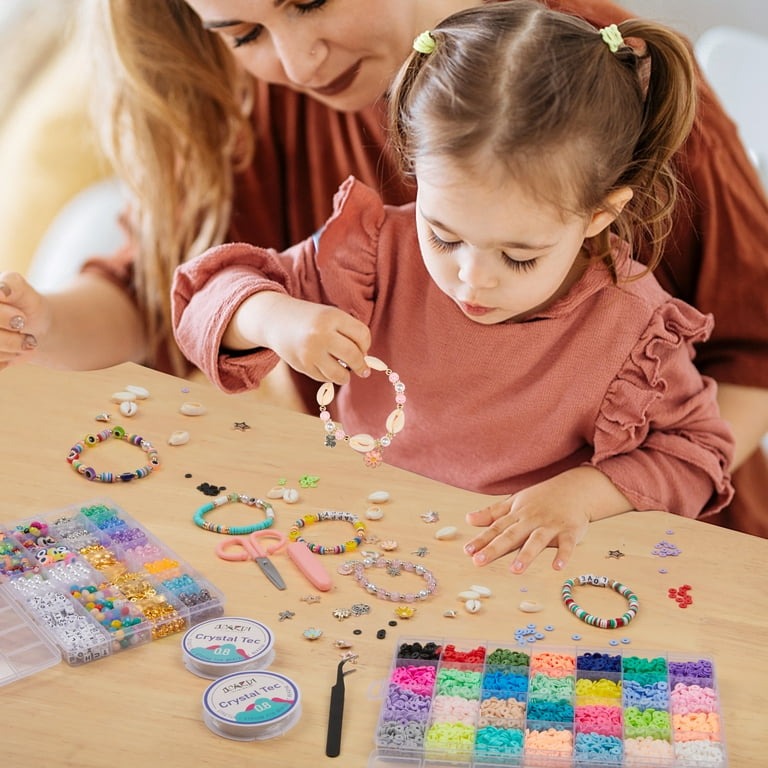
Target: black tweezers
x,y
336,711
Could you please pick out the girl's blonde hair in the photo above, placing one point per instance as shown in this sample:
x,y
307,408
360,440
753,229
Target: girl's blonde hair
x,y
173,114
541,95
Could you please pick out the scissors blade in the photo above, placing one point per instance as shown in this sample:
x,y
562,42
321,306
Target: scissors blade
x,y
270,571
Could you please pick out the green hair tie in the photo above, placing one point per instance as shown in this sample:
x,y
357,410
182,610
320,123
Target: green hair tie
x,y
424,43
612,37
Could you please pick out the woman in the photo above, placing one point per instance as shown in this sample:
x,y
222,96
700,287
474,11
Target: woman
x,y
238,120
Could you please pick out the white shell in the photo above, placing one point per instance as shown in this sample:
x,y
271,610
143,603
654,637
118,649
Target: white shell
x,y
276,492
375,363
325,394
473,606
449,532
192,409
140,392
128,408
481,590
290,495
396,421
179,437
123,397
468,594
374,513
362,443
378,497
530,606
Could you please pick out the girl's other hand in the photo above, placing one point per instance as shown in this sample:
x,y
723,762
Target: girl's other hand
x,y
554,513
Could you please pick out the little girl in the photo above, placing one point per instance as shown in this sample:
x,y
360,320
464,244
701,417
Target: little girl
x,y
540,361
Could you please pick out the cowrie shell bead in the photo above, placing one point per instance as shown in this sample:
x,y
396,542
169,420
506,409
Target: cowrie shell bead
x,y
140,392
473,606
179,437
378,497
529,606
396,421
128,408
374,513
276,492
469,594
375,363
449,532
362,443
481,590
123,397
192,409
325,394
290,495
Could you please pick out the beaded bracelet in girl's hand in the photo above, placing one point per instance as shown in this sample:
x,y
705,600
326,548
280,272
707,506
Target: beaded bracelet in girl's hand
x,y
363,443
109,477
600,581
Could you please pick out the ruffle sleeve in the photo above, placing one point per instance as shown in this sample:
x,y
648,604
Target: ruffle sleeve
x,y
659,436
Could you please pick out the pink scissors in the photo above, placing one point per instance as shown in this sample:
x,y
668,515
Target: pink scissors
x,y
249,548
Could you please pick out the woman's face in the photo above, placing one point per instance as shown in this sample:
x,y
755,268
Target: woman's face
x,y
343,53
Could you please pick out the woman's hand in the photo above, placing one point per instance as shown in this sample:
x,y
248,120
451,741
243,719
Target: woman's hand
x,y
24,316
554,513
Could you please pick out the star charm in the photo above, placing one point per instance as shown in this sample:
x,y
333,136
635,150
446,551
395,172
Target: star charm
x,y
616,554
285,615
241,426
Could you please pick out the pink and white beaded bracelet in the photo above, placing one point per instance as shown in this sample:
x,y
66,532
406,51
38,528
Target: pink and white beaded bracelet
x,y
370,446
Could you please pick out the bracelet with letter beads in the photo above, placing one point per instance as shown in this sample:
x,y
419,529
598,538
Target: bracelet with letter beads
x,y
294,534
109,477
600,581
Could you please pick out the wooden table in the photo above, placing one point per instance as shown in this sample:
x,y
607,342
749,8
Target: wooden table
x,y
142,707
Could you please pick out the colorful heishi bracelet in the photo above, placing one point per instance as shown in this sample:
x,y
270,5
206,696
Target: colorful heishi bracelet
x,y
368,445
600,581
89,473
358,569
294,534
234,530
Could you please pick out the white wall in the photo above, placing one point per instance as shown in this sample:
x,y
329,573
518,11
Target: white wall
x,y
692,17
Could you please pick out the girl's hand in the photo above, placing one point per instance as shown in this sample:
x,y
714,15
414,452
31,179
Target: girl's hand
x,y
321,341
555,513
24,316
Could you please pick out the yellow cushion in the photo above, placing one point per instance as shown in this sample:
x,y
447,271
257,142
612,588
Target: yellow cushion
x,y
48,154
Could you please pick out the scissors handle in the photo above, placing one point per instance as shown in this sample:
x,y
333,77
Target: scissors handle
x,y
233,549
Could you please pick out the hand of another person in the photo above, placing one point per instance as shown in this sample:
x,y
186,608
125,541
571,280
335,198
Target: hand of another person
x,y
321,341
555,512
24,314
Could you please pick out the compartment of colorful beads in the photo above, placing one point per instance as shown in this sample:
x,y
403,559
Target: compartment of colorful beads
x,y
408,698
645,699
598,714
455,709
200,599
503,699
123,619
694,705
550,713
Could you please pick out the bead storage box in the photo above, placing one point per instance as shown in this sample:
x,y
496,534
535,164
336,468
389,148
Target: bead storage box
x,y
480,704
87,581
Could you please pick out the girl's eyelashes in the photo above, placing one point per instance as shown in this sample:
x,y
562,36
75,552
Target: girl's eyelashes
x,y
255,32
449,245
249,37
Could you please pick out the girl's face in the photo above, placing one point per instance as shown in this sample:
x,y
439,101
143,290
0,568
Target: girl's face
x,y
493,249
343,53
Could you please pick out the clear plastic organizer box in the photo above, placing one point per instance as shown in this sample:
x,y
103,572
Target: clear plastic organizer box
x,y
87,581
482,704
